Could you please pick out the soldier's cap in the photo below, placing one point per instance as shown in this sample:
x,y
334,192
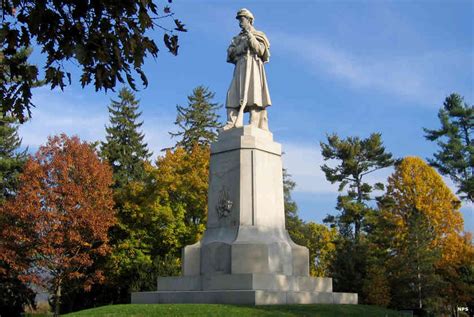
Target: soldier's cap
x,y
244,13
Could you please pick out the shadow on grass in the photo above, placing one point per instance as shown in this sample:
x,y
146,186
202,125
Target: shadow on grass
x,y
329,310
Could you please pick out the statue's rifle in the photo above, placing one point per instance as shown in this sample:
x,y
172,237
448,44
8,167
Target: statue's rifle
x,y
243,101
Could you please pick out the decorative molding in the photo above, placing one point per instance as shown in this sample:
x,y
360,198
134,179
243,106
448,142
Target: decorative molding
x,y
224,204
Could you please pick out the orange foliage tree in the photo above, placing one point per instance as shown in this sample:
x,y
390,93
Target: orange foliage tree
x,y
58,222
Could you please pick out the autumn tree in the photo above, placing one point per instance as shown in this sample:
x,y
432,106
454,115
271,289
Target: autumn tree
x,y
60,216
455,157
460,290
151,232
124,147
159,215
182,182
425,232
356,159
320,241
416,187
107,40
198,121
458,278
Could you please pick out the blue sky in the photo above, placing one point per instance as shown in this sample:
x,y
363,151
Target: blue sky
x,y
346,67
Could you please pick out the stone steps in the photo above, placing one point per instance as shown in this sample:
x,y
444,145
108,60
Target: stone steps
x,y
255,281
243,297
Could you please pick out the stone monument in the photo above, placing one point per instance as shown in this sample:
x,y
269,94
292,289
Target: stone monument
x,y
246,255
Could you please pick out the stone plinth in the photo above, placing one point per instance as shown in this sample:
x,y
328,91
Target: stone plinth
x,y
246,219
245,255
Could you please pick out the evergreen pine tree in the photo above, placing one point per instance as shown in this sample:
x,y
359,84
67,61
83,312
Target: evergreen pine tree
x,y
356,159
198,122
127,154
415,283
348,267
11,160
19,84
14,294
124,148
455,156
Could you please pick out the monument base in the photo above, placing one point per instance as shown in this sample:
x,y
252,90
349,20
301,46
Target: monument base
x,y
246,255
244,289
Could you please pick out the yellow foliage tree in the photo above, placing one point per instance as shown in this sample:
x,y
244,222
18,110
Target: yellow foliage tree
x,y
319,239
417,187
181,179
160,215
423,221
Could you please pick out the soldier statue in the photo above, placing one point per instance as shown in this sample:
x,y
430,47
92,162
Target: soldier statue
x,y
248,91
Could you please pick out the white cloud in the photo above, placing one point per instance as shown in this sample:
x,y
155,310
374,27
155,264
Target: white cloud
x,y
62,112
68,112
303,163
410,76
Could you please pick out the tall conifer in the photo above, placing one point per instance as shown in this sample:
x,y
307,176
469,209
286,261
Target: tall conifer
x,y
14,294
127,153
355,159
455,156
11,159
124,147
198,122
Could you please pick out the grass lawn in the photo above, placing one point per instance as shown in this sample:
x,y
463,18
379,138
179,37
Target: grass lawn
x,y
320,310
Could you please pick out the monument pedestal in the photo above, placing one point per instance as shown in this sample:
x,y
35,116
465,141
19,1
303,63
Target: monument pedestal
x,y
245,255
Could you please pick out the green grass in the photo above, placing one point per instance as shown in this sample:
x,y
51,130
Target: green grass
x,y
319,310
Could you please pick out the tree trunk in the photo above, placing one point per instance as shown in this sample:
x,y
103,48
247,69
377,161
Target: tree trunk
x,y
418,275
358,220
57,300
